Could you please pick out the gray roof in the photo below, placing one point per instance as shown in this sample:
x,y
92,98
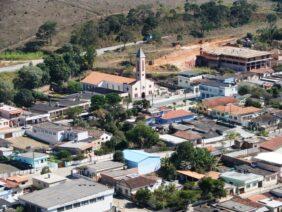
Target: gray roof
x,y
103,166
236,206
140,53
52,126
254,170
63,194
190,73
120,173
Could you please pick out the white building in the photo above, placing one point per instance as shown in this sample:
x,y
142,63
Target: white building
x,y
4,123
135,88
189,80
54,133
78,195
47,180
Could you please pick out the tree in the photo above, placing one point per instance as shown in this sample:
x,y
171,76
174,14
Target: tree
x,y
29,77
74,112
6,91
45,170
113,99
74,86
59,70
271,19
24,98
90,57
46,31
118,156
64,155
140,105
142,196
212,188
167,170
244,90
189,157
253,103
125,36
142,136
98,102
241,12
232,135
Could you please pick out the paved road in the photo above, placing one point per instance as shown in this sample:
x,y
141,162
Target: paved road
x,y
170,100
13,68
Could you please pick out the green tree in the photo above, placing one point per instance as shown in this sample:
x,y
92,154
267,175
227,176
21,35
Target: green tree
x,y
64,155
74,112
45,170
271,19
113,99
167,170
189,157
125,36
244,90
74,86
143,196
253,103
118,156
143,136
24,98
59,70
29,77
212,188
6,91
241,12
98,102
46,31
89,57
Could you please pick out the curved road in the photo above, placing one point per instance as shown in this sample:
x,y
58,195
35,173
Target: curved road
x,y
13,68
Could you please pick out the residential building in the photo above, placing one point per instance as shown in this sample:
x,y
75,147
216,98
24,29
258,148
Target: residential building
x,y
217,87
113,176
59,108
270,161
187,175
245,182
74,195
237,204
171,140
129,187
273,144
190,80
29,118
270,177
55,133
9,112
235,114
238,59
4,123
6,152
136,88
47,180
193,137
34,159
207,104
145,162
83,147
268,122
94,170
175,116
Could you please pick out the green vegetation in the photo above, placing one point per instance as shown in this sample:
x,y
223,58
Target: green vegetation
x,y
118,156
212,189
29,77
18,55
24,98
45,170
74,112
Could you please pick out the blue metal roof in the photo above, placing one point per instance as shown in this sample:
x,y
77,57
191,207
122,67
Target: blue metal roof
x,y
137,155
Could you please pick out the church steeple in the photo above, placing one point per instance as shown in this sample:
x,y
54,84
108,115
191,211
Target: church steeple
x,y
140,65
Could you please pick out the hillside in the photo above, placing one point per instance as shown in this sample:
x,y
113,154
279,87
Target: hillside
x,y
20,19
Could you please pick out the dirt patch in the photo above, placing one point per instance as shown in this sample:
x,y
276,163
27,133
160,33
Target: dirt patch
x,y
185,56
25,142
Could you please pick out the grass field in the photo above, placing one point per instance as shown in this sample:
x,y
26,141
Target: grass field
x,y
20,55
8,76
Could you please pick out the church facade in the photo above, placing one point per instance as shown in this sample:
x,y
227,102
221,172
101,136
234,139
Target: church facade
x,y
136,88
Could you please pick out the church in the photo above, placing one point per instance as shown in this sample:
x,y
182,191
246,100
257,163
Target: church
x,y
136,88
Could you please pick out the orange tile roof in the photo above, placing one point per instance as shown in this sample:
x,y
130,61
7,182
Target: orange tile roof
x,y
187,135
257,197
18,179
176,114
236,110
213,102
272,144
212,174
96,77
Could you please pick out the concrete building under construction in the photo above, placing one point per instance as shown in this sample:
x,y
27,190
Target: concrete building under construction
x,y
238,59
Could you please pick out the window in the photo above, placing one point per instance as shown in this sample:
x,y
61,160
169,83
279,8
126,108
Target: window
x,y
254,184
61,209
68,207
85,202
100,198
248,186
76,205
93,200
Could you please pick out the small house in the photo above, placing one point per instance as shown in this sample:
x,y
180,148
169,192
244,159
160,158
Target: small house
x,y
47,180
35,159
175,116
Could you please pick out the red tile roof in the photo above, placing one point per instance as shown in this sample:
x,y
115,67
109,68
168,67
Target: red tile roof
x,y
139,182
247,202
216,101
272,144
176,114
187,135
97,77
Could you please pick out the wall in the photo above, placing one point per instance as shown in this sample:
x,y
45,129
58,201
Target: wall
x,y
46,135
